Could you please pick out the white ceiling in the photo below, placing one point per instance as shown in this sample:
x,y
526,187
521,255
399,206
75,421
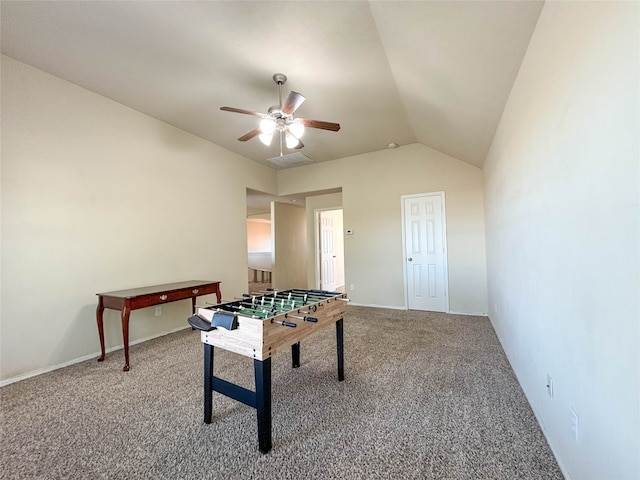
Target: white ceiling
x,y
434,72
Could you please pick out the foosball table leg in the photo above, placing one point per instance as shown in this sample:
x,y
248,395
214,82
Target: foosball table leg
x,y
295,355
208,382
339,348
262,371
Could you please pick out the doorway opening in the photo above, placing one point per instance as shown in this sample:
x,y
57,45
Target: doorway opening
x,y
329,250
259,253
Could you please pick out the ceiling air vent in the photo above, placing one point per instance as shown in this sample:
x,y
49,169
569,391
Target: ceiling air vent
x,y
291,160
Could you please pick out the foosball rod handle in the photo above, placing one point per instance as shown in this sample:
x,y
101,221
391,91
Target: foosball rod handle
x,y
305,318
285,323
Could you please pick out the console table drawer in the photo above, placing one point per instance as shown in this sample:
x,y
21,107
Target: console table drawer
x,y
166,297
139,302
118,303
206,290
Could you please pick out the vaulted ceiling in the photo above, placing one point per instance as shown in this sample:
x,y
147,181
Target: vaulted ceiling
x,y
433,72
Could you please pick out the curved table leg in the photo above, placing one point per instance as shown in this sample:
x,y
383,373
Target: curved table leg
x,y
126,310
99,312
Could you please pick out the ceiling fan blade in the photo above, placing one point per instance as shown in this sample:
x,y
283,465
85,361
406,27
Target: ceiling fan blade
x,y
250,135
292,102
334,127
240,110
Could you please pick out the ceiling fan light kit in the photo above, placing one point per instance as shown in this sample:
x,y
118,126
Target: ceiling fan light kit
x,y
280,118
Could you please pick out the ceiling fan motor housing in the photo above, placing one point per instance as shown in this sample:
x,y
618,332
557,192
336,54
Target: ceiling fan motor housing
x,y
275,112
280,78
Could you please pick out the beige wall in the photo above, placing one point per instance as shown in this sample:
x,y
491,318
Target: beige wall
x,y
289,236
258,235
372,185
98,197
563,233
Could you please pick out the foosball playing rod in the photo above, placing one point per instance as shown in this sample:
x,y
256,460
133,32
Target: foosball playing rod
x,y
316,293
267,306
292,304
250,312
241,305
295,293
277,309
272,300
223,302
264,314
286,324
281,303
287,295
286,302
259,313
328,298
267,314
305,318
305,298
324,293
276,312
316,296
290,293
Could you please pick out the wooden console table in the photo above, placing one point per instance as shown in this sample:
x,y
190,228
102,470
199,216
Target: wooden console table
x,y
136,298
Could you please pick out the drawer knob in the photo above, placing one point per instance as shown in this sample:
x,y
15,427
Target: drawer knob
x,y
163,297
194,291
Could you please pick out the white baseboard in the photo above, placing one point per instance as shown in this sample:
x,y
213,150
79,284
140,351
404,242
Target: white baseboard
x,y
40,371
403,307
373,305
472,314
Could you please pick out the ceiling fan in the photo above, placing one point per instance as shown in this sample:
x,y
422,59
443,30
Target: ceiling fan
x,y
280,118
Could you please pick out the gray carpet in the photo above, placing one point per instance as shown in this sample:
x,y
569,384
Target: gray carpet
x,y
425,396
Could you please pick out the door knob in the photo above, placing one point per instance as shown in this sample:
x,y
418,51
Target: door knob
x,y
410,259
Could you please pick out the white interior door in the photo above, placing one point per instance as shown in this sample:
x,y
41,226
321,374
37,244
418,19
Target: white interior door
x,y
425,252
327,253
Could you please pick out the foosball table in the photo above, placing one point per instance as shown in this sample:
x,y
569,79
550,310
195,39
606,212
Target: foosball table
x,y
258,326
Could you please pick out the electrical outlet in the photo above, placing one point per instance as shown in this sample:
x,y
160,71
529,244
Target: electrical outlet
x,y
158,311
549,386
352,286
575,424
